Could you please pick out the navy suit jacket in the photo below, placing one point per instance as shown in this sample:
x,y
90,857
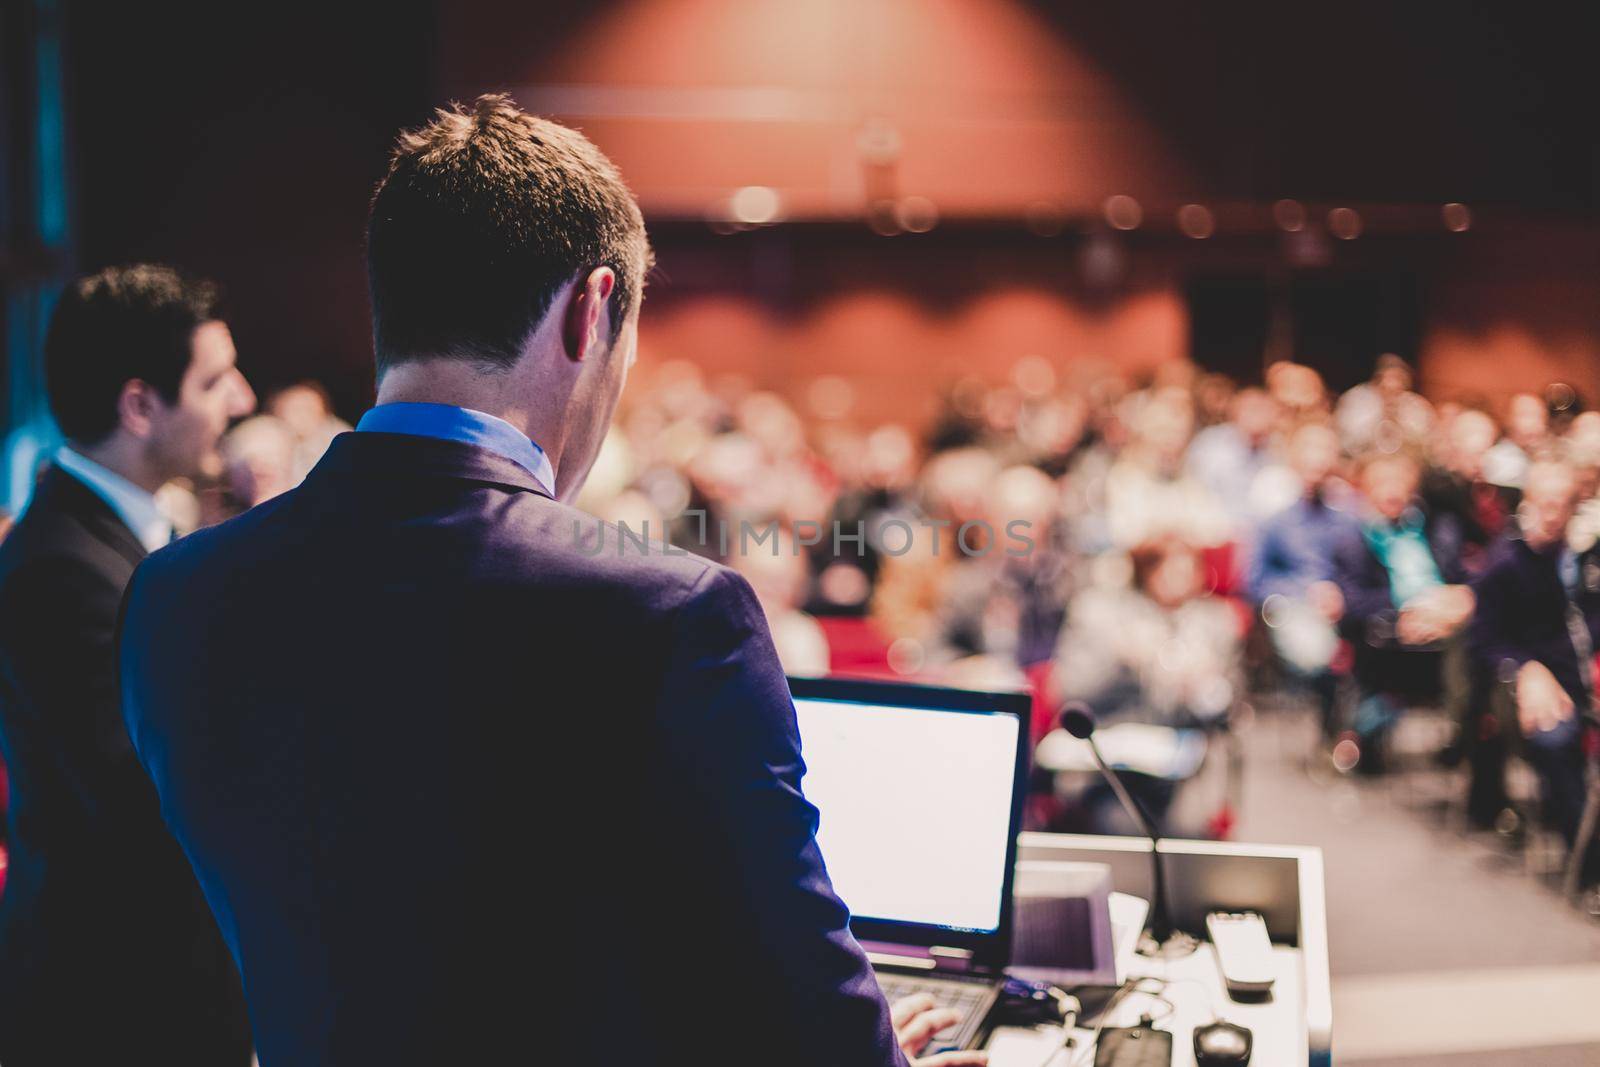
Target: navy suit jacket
x,y
466,781
107,951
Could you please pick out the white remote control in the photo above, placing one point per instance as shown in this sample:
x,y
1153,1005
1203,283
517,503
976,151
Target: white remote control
x,y
1244,952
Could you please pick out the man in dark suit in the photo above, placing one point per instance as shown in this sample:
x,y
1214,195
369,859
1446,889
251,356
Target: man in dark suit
x,y
1406,604
1533,633
465,778
107,951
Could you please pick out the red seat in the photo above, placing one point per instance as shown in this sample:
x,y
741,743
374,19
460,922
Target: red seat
x,y
856,646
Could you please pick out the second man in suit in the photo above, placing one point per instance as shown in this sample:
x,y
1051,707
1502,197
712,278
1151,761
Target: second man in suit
x,y
107,951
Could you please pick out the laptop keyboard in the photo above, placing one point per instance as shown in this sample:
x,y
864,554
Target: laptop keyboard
x,y
971,999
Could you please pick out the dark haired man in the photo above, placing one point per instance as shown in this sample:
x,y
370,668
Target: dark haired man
x,y
504,797
107,951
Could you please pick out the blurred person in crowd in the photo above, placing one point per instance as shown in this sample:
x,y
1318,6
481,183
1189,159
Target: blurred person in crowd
x,y
877,492
1405,600
1299,391
730,485
1214,396
1084,489
1148,492
908,600
307,410
1456,491
1291,574
1007,598
259,458
1383,414
5,523
1052,432
183,505
1534,630
1581,448
478,661
778,574
1527,434
959,422
1159,650
1239,461
1582,451
108,953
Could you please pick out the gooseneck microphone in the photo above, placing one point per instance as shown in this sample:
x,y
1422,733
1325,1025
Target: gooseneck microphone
x,y
1077,719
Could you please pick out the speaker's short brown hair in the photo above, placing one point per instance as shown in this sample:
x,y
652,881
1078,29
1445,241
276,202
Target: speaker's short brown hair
x,y
485,214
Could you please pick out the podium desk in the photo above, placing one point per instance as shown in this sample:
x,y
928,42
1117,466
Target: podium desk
x,y
1283,883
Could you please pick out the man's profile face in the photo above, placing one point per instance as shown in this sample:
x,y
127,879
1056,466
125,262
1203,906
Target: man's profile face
x,y
184,435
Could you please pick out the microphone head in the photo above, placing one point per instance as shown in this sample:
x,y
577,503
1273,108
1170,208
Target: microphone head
x,y
1077,719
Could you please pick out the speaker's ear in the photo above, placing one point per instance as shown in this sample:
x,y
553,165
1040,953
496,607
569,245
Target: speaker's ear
x,y
587,304
138,404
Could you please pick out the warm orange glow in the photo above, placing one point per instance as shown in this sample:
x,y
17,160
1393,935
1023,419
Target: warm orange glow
x,y
978,105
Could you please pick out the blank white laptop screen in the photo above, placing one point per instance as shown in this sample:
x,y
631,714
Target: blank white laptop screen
x,y
915,808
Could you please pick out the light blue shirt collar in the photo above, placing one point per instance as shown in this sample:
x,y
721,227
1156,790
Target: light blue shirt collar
x,y
451,423
136,507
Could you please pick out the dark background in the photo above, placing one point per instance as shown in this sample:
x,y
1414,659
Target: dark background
x,y
242,142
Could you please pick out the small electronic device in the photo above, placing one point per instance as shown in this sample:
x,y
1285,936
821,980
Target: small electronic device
x,y
1244,952
1072,930
1134,1046
1222,1044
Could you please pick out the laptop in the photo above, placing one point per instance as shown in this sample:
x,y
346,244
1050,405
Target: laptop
x,y
920,795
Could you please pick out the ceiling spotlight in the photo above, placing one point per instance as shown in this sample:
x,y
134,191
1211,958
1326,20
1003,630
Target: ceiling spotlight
x,y
1457,219
755,205
1290,215
1124,212
1196,221
1344,223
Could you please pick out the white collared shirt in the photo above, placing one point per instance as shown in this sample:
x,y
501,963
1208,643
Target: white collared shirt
x,y
134,506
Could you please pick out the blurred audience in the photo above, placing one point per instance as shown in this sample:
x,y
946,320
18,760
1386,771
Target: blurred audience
x,y
1097,538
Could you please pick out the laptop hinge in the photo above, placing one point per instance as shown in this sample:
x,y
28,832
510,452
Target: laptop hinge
x,y
931,958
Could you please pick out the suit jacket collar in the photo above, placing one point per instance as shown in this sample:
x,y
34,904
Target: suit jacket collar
x,y
372,454
66,494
